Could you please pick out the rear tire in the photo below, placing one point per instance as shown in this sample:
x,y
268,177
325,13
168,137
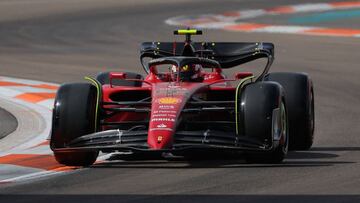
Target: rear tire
x,y
263,117
104,78
299,94
74,115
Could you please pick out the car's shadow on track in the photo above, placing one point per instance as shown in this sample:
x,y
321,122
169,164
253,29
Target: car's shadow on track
x,y
335,149
316,157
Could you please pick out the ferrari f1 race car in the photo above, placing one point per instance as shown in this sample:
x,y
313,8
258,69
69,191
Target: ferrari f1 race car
x,y
186,104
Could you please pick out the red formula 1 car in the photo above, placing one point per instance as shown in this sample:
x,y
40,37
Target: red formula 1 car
x,y
186,104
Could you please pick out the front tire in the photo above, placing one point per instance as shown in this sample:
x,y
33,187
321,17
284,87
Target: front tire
x,y
263,117
279,153
74,115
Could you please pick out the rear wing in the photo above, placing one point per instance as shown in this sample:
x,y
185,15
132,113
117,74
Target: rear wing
x,y
227,54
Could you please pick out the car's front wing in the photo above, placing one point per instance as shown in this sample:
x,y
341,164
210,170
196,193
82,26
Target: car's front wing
x,y
116,140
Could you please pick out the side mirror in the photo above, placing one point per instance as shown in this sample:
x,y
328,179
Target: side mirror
x,y
242,75
119,75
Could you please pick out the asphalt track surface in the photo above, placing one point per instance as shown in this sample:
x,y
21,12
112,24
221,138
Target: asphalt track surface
x,y
66,43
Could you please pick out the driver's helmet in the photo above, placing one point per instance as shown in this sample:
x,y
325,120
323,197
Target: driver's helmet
x,y
190,72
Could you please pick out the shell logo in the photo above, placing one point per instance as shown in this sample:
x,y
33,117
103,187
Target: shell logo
x,y
169,100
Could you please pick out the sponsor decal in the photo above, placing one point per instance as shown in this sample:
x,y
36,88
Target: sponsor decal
x,y
171,90
169,100
165,111
166,107
164,115
162,129
163,119
175,86
161,126
159,115
208,77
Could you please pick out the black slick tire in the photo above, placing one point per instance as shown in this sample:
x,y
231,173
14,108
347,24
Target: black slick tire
x,y
263,117
74,115
299,94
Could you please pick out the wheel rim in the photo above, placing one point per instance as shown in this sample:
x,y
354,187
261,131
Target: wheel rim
x,y
311,113
284,128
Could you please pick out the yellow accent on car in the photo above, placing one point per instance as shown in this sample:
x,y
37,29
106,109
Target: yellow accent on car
x,y
237,92
169,100
98,89
184,32
185,68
